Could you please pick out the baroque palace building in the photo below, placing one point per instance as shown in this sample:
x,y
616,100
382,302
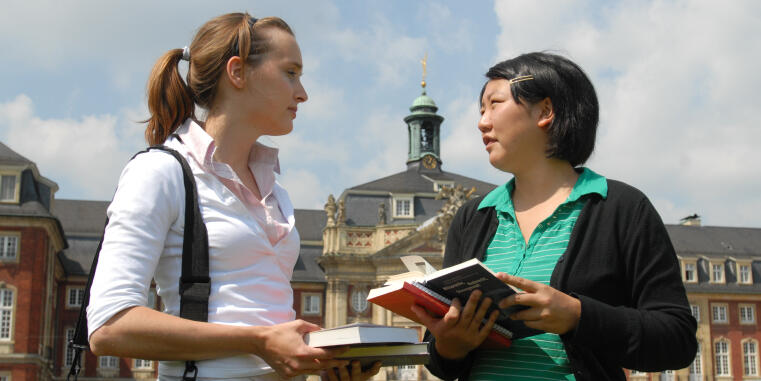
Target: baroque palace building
x,y
353,245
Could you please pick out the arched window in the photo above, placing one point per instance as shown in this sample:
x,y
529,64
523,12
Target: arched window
x,y
750,357
721,353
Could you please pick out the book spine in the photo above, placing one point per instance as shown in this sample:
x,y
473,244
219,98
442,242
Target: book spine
x,y
498,328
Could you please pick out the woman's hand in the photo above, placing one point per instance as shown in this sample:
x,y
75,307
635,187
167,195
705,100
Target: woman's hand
x,y
549,309
461,330
356,373
282,346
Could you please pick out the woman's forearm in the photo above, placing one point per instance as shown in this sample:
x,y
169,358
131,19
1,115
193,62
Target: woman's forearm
x,y
140,332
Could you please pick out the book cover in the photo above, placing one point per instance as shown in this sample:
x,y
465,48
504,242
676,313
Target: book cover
x,y
361,333
399,297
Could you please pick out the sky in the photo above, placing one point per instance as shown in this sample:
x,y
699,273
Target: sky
x,y
678,85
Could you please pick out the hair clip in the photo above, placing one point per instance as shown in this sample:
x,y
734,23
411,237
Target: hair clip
x,y
186,54
520,78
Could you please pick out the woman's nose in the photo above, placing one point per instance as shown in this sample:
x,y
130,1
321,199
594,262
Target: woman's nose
x,y
484,123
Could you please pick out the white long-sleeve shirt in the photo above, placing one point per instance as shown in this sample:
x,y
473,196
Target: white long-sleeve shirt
x,y
250,275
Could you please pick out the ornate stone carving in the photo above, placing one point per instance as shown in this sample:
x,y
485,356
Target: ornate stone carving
x,y
341,216
361,239
456,196
382,214
330,210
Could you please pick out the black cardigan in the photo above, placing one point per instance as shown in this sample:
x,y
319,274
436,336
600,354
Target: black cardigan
x,y
621,265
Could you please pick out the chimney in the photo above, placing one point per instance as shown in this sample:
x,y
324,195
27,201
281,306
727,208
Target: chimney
x,y
693,220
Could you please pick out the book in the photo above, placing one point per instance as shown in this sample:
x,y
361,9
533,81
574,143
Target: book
x,y
361,333
369,343
388,355
435,290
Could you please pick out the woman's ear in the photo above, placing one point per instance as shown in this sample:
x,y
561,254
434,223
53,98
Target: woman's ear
x,y
547,114
235,72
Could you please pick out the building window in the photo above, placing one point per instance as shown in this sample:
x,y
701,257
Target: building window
x,y
310,304
696,368
750,358
403,207
438,185
69,351
143,364
8,188
690,274
747,314
359,300
695,312
8,246
719,313
743,274
717,273
75,297
721,351
6,314
108,362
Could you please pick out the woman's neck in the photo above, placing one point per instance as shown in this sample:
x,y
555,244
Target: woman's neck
x,y
548,180
233,140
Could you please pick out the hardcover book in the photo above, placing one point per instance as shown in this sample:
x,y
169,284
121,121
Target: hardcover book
x,y
361,333
435,290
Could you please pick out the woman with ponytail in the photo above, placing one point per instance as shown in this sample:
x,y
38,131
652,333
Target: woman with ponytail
x,y
245,74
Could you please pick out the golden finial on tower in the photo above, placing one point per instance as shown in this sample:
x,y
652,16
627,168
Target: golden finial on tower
x,y
424,62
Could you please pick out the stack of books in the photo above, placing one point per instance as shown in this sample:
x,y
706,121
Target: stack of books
x,y
368,343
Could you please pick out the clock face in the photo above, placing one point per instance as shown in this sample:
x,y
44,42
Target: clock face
x,y
429,162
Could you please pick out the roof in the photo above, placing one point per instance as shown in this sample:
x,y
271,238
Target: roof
x,y
414,181
310,223
27,209
9,156
715,240
80,217
306,268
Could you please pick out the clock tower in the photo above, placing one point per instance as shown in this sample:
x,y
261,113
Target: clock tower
x,y
423,126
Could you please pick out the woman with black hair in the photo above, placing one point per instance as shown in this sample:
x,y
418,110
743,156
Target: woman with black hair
x,y
599,273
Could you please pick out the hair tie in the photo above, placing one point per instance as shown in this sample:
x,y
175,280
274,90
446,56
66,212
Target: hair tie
x,y
186,54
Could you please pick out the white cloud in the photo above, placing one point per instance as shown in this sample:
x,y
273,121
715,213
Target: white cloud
x,y
393,54
84,156
305,188
674,80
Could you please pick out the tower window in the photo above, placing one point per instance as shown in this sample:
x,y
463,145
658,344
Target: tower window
x,y
426,137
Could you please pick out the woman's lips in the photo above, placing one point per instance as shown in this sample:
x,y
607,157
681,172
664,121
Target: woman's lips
x,y
488,140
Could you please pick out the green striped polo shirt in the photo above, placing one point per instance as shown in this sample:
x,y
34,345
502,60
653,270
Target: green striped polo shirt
x,y
540,357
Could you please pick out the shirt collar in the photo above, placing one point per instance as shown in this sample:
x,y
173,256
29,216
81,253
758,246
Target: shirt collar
x,y
201,147
588,182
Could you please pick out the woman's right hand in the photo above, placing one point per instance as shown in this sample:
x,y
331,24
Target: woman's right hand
x,y
282,346
461,329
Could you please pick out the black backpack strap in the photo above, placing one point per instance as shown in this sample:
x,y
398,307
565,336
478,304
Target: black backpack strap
x,y
195,283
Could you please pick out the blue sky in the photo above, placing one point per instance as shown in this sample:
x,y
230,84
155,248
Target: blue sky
x,y
677,82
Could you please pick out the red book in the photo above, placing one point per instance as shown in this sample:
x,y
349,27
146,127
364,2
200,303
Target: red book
x,y
398,297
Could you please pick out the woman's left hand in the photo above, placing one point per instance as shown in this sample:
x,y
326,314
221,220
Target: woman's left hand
x,y
549,309
353,374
